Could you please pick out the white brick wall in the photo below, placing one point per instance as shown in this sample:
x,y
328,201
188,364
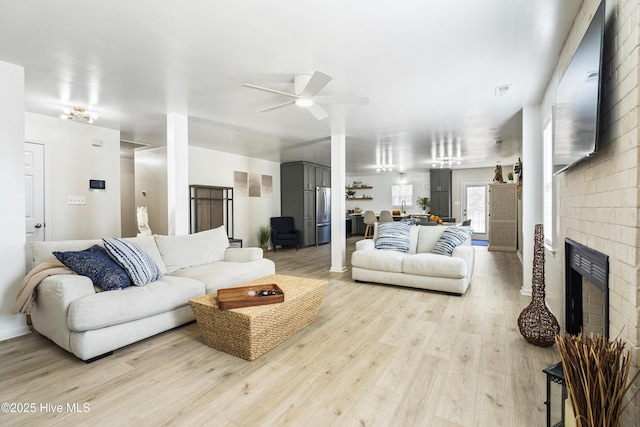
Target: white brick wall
x,y
599,199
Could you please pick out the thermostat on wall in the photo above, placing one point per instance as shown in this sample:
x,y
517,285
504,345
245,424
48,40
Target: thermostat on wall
x,y
97,184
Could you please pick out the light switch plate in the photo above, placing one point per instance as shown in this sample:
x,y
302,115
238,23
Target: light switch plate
x,y
76,200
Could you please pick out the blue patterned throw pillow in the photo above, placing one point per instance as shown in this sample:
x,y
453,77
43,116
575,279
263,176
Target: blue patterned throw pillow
x,y
138,264
393,236
451,239
96,264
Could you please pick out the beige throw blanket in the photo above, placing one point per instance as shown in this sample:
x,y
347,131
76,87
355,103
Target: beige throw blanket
x,y
26,293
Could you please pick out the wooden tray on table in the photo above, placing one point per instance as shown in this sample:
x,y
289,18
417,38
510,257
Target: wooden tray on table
x,y
247,296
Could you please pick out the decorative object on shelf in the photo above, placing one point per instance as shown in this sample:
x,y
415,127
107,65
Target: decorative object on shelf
x,y
510,177
78,113
497,178
596,373
536,323
265,233
350,194
424,203
143,221
517,169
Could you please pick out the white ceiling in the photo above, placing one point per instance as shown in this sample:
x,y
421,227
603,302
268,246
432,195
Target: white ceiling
x,y
430,69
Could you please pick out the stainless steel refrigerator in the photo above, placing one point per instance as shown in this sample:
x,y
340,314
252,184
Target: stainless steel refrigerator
x,y
323,215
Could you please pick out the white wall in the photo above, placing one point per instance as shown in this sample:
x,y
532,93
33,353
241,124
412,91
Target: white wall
x,y
151,179
12,210
209,167
129,224
74,161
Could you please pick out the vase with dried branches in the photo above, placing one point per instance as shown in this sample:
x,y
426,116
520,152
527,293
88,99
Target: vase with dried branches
x,y
596,372
536,322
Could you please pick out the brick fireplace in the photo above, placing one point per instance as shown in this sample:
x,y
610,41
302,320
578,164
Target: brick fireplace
x,y
587,289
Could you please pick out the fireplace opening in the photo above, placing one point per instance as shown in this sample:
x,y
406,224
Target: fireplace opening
x,y
587,289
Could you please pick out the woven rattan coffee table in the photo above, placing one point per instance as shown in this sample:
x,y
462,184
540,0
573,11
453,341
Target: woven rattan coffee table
x,y
249,332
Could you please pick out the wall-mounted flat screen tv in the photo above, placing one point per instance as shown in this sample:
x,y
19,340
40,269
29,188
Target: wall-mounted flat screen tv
x,y
578,99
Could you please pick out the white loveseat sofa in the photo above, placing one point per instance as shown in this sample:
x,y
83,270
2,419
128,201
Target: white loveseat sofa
x,y
418,267
70,311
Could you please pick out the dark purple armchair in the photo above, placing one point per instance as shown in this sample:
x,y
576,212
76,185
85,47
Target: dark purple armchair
x,y
283,232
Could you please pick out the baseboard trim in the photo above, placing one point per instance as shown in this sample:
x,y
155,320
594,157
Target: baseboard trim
x,y
9,333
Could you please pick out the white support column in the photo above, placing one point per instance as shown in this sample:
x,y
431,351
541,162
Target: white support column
x,y
532,188
12,216
178,174
338,204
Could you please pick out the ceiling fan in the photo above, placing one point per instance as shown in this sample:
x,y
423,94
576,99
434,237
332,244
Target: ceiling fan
x,y
306,90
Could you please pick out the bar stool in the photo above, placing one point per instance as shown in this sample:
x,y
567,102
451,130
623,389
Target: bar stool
x,y
369,219
385,216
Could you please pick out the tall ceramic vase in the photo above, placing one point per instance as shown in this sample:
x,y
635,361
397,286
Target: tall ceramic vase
x,y
537,324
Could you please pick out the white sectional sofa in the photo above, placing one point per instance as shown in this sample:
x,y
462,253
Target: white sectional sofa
x,y
416,266
70,311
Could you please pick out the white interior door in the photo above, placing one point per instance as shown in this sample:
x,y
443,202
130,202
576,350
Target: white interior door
x,y
475,207
34,196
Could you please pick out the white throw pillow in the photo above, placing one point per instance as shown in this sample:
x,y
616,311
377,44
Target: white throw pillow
x,y
193,249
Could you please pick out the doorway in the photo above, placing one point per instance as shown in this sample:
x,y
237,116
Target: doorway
x,y
36,191
474,207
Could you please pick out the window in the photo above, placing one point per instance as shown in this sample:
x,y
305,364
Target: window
x,y
400,192
547,170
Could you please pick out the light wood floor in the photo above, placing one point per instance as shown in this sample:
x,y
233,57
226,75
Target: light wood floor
x,y
376,356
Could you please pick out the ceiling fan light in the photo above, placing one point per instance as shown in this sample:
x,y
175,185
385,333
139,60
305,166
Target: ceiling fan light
x,y
78,113
304,102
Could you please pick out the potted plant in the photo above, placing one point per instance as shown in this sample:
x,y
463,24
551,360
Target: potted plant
x,y
264,235
510,176
424,203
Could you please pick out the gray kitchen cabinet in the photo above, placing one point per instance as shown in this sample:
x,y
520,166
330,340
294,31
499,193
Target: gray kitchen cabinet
x,y
323,176
357,225
440,188
309,171
298,182
309,233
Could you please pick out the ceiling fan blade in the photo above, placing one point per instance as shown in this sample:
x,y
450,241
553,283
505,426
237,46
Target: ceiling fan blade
x,y
317,111
317,82
266,89
356,100
274,107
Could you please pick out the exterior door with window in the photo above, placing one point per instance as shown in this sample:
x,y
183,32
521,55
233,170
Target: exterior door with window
x,y
474,207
